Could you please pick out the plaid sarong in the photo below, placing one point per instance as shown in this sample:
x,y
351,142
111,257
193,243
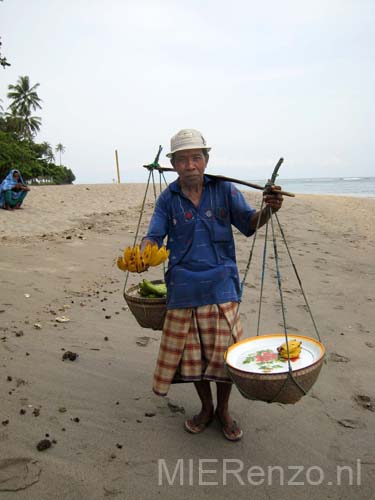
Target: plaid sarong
x,y
193,344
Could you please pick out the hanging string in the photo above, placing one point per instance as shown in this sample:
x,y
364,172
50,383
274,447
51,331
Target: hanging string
x,y
251,251
241,292
263,276
290,376
153,166
298,277
139,225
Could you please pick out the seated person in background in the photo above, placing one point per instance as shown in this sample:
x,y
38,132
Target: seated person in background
x,y
13,191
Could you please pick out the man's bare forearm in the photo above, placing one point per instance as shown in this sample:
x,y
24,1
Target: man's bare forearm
x,y
264,216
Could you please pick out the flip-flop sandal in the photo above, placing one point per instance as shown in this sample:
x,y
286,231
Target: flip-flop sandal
x,y
232,429
193,428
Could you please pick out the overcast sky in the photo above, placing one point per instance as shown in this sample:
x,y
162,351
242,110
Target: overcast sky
x,y
260,80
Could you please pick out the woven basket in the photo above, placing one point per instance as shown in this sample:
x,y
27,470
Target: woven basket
x,y
149,313
277,387
270,387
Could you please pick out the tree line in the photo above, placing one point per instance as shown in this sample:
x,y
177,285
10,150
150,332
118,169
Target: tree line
x,y
18,129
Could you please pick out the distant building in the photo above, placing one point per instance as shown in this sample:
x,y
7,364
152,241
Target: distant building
x,y
40,180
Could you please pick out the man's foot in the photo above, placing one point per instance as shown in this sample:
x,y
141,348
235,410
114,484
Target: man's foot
x,y
229,427
198,423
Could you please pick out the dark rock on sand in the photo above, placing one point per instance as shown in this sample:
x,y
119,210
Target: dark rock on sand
x,y
44,444
72,356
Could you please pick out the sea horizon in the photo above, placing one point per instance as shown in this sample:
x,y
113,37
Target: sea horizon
x,y
339,186
356,186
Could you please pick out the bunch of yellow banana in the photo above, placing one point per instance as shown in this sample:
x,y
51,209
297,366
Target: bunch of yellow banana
x,y
136,261
294,349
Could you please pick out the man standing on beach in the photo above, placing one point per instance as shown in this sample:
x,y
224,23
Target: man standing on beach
x,y
196,213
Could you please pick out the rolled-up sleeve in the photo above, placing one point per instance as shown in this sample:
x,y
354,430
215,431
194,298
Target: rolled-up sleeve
x,y
241,211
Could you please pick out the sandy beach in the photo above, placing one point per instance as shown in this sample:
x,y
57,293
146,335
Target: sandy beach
x,y
109,432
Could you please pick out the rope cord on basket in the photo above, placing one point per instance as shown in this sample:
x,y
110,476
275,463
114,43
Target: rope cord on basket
x,y
153,166
268,185
263,275
238,305
290,376
139,225
298,277
267,189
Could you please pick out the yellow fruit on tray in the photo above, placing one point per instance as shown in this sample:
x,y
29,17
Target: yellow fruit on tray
x,y
294,349
137,261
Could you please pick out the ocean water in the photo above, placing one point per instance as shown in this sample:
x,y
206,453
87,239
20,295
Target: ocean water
x,y
344,186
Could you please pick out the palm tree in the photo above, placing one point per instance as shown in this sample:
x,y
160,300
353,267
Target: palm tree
x,y
60,149
47,152
14,124
31,126
25,127
23,96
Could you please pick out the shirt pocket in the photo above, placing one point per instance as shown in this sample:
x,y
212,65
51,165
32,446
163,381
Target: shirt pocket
x,y
222,230
181,227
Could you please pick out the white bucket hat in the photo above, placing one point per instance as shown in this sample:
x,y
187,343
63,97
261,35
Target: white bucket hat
x,y
187,138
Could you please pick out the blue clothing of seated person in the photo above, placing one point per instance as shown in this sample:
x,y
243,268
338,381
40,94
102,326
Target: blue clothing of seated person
x,y
13,191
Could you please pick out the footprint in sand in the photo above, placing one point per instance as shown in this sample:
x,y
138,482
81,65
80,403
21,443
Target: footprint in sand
x,y
289,327
18,473
175,408
351,424
143,341
338,358
365,401
303,307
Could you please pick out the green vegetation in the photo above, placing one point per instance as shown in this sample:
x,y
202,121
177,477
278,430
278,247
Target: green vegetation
x,y
18,128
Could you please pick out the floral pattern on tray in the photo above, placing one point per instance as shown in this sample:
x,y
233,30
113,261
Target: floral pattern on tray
x,y
266,360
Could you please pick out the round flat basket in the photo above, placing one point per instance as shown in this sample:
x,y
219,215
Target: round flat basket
x,y
149,312
259,373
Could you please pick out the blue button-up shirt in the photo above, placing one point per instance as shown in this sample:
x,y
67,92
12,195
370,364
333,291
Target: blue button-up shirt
x,y
202,262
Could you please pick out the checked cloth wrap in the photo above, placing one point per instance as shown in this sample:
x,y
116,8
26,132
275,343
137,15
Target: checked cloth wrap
x,y
193,344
